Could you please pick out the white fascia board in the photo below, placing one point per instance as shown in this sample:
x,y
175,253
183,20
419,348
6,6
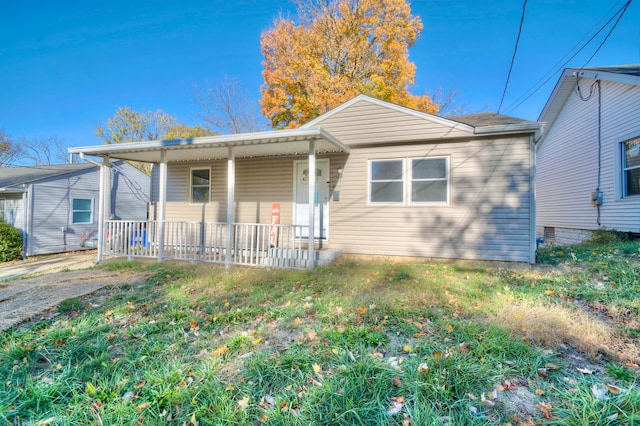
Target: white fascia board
x,y
604,75
508,128
273,136
423,115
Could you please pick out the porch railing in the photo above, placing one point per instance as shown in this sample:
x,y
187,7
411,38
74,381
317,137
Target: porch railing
x,y
252,244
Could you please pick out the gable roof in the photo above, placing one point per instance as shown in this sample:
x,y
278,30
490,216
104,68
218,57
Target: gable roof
x,y
456,126
628,74
13,177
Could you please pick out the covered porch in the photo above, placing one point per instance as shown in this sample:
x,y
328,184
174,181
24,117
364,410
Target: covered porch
x,y
229,242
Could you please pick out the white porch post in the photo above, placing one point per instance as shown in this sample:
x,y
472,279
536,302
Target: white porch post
x,y
103,193
231,183
162,201
312,204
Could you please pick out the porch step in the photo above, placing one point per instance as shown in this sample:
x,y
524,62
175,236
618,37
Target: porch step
x,y
299,259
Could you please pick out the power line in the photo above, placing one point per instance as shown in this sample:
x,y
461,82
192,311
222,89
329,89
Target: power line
x,y
624,9
537,87
553,71
513,57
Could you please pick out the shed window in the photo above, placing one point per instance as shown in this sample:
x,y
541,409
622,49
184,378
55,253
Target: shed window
x,y
200,185
386,182
631,167
82,208
430,180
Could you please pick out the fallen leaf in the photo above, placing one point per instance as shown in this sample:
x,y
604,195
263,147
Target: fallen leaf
x,y
397,382
539,392
488,403
599,392
46,422
397,402
312,335
362,310
423,368
449,328
419,334
314,382
244,402
407,349
297,321
545,408
317,369
551,366
584,370
473,409
221,351
142,406
613,389
542,372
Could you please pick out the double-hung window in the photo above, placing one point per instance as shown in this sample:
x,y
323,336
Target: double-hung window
x,y
631,167
2,208
386,182
416,181
200,182
82,210
430,180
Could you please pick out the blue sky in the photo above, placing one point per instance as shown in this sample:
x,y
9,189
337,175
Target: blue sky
x,y
66,66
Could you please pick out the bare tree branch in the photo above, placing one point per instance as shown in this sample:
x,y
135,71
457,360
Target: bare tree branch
x,y
226,107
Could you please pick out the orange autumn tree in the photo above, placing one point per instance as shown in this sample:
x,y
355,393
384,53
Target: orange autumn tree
x,y
339,48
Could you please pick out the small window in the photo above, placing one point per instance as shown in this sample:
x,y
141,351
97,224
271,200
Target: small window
x,y
82,209
200,185
631,167
430,180
2,207
386,183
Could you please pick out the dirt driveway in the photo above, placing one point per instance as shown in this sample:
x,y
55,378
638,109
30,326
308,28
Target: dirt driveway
x,y
25,298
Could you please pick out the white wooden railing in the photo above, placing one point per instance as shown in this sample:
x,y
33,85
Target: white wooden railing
x,y
252,244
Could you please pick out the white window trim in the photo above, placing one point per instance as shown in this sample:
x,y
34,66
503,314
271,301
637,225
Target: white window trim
x,y
370,181
190,189
411,180
73,211
622,193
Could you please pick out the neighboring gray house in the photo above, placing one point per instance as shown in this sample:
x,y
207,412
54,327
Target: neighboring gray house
x,y
588,160
388,181
54,205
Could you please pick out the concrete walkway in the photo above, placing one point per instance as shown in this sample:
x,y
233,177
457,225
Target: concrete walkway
x,y
39,265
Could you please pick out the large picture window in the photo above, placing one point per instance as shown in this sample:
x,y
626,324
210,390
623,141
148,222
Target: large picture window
x,y
631,167
386,181
200,185
81,210
430,180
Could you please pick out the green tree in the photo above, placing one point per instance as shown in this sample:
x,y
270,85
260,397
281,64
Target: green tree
x,y
338,49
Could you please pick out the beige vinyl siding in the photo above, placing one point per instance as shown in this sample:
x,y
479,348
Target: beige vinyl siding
x,y
368,123
567,161
260,182
488,216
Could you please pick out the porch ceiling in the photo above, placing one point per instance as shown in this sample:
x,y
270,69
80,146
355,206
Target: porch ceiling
x,y
260,144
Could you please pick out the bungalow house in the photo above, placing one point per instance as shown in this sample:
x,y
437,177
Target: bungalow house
x,y
372,177
54,205
588,160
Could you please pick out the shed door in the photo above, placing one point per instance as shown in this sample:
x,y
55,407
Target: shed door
x,y
301,198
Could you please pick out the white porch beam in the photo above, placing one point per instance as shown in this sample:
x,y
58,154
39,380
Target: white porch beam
x,y
312,204
162,201
231,189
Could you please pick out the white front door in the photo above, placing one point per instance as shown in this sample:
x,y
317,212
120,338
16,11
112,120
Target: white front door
x,y
301,197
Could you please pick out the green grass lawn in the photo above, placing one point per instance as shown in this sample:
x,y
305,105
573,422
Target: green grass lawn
x,y
354,343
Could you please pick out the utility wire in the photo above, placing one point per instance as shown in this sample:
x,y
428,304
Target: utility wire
x,y
513,57
535,89
624,9
553,71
